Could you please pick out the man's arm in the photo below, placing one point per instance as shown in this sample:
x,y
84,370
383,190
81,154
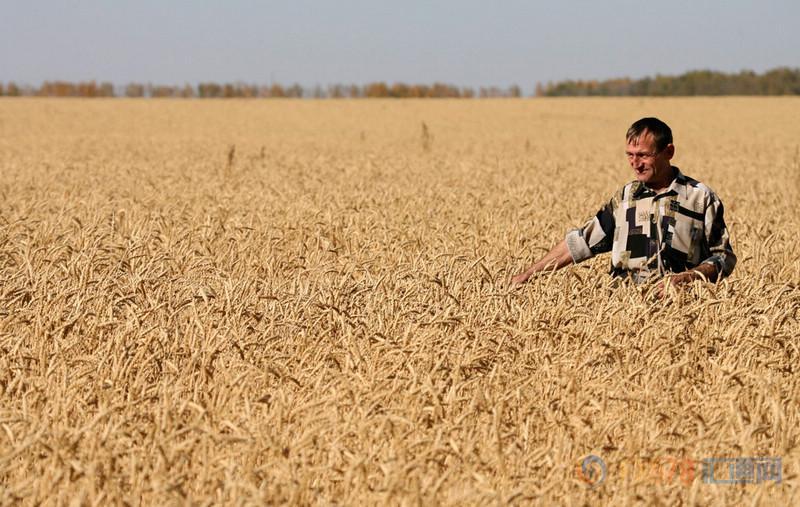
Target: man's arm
x,y
722,259
594,237
718,240
556,258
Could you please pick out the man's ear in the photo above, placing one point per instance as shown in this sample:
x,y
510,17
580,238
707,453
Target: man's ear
x,y
670,151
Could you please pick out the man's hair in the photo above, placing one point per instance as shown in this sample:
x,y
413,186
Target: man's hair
x,y
662,134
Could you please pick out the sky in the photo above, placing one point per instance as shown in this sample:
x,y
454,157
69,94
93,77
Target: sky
x,y
464,42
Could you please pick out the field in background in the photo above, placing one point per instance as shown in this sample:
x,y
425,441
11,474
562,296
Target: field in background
x,y
306,302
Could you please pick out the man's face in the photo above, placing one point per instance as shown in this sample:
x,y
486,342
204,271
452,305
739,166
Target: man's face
x,y
651,166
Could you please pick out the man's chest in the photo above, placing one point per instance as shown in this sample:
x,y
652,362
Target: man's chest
x,y
648,214
646,226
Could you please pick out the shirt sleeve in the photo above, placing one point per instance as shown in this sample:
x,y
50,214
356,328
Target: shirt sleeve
x,y
718,239
595,236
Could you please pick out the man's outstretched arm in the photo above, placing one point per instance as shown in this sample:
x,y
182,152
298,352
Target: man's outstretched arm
x,y
556,258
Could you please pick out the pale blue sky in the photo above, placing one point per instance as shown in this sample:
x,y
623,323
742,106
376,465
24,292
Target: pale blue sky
x,y
464,42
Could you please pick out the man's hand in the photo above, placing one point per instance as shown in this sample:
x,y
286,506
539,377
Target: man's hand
x,y
701,272
519,279
671,281
556,258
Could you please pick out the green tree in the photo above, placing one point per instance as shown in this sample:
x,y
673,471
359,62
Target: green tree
x,y
336,91
295,91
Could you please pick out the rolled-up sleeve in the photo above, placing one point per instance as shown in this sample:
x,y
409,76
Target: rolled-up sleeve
x,y
717,238
595,236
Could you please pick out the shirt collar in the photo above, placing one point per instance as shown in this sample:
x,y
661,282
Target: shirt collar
x,y
679,184
676,187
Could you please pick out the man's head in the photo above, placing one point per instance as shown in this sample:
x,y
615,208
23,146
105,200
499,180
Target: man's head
x,y
649,151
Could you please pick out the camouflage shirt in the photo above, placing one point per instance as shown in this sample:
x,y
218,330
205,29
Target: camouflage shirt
x,y
649,234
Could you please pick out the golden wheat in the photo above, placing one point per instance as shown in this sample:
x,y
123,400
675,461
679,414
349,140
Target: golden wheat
x,y
247,302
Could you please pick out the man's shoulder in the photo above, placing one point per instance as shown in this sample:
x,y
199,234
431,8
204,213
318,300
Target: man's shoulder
x,y
628,190
694,186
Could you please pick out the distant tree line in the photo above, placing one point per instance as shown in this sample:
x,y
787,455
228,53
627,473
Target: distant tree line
x,y
244,90
780,81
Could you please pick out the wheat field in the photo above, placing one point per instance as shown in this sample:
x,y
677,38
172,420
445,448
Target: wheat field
x,y
264,302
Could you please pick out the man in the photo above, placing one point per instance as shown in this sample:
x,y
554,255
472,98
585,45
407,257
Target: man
x,y
662,223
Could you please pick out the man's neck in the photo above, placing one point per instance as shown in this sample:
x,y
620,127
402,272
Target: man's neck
x,y
663,186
